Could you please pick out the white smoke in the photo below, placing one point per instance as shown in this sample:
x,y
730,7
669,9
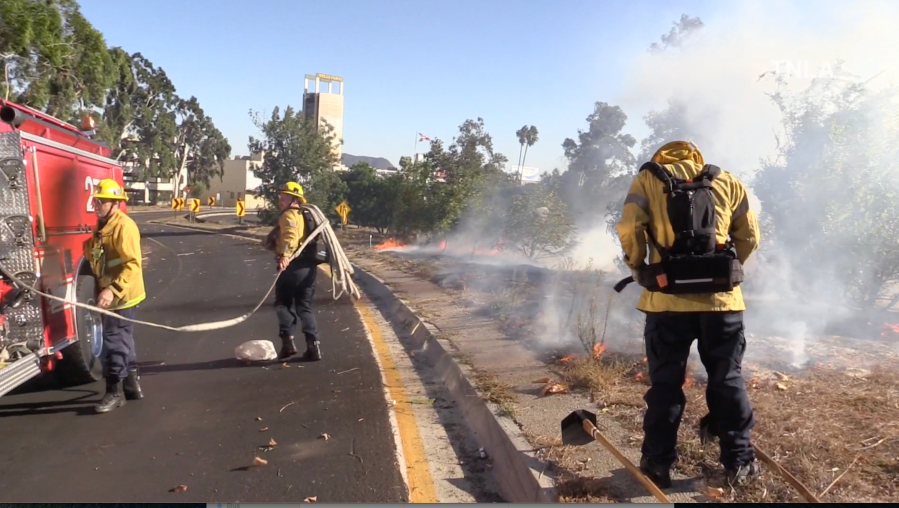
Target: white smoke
x,y
716,73
723,75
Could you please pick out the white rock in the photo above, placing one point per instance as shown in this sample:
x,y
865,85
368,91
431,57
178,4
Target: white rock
x,y
256,351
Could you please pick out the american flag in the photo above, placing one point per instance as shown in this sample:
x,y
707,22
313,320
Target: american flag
x,y
422,137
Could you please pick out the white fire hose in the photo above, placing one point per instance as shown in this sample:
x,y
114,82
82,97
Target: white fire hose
x,y
341,277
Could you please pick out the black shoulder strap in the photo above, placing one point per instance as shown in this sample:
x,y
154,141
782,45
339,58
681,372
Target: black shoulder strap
x,y
659,172
709,171
703,179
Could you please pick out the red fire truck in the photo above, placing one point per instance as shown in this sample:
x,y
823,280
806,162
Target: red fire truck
x,y
48,170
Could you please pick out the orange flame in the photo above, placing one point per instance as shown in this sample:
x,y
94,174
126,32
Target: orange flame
x,y
390,244
689,380
485,252
598,350
639,376
894,328
568,358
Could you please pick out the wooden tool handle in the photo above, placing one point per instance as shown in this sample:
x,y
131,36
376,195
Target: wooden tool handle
x,y
653,488
796,484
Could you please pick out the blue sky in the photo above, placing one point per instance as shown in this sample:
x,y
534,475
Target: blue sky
x,y
409,65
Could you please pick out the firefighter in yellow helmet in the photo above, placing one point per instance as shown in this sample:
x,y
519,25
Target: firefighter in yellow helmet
x,y
114,255
296,286
695,223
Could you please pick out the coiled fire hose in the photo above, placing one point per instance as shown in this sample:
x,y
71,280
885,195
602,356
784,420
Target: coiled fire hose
x,y
341,277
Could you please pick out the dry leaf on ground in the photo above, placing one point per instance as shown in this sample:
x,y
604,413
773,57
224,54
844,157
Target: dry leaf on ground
x,y
263,429
285,366
310,499
542,381
179,488
782,387
259,462
271,442
554,388
716,492
258,418
325,436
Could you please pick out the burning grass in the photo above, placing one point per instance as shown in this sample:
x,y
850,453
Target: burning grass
x,y
838,417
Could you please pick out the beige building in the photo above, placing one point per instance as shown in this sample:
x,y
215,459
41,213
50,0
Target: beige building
x,y
238,182
323,100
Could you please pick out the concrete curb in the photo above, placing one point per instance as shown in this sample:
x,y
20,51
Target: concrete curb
x,y
518,473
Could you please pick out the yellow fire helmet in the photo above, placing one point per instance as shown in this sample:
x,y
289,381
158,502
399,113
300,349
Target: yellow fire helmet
x,y
110,189
677,151
294,189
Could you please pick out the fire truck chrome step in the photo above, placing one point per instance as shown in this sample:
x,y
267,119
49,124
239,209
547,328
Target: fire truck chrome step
x,y
18,372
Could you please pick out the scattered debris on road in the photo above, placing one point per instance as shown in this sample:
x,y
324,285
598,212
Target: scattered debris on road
x,y
179,489
554,387
285,407
258,418
259,462
324,436
310,499
263,429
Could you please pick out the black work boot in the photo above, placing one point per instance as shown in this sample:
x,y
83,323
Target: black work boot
x,y
745,474
131,386
114,398
658,474
288,347
313,351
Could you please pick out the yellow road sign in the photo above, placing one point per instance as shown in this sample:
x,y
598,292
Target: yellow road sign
x,y
195,205
211,201
343,209
241,208
178,204
174,203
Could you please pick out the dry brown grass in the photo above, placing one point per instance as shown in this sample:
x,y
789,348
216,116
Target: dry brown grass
x,y
494,390
815,425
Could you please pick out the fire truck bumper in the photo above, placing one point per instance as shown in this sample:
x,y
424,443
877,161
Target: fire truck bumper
x,y
18,372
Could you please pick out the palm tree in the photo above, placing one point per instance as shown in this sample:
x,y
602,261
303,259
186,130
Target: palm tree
x,y
522,140
530,138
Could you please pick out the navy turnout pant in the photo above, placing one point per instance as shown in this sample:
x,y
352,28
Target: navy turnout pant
x,y
668,337
293,300
118,342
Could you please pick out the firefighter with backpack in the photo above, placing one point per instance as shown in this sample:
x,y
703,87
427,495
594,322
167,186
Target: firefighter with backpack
x,y
694,221
296,285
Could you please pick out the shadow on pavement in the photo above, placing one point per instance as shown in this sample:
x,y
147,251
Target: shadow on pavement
x,y
80,405
164,234
227,363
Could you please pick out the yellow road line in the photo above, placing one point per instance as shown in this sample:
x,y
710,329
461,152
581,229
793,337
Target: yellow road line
x,y
418,471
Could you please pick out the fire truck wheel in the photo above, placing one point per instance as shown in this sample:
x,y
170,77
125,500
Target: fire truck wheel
x,y
82,361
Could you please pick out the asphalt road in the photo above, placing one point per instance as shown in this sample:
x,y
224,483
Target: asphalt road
x,y
199,423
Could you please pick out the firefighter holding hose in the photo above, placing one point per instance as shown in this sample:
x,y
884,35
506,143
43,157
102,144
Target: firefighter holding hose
x,y
114,255
695,222
296,285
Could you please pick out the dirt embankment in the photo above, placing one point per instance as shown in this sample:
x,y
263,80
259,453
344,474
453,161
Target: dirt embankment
x,y
833,422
